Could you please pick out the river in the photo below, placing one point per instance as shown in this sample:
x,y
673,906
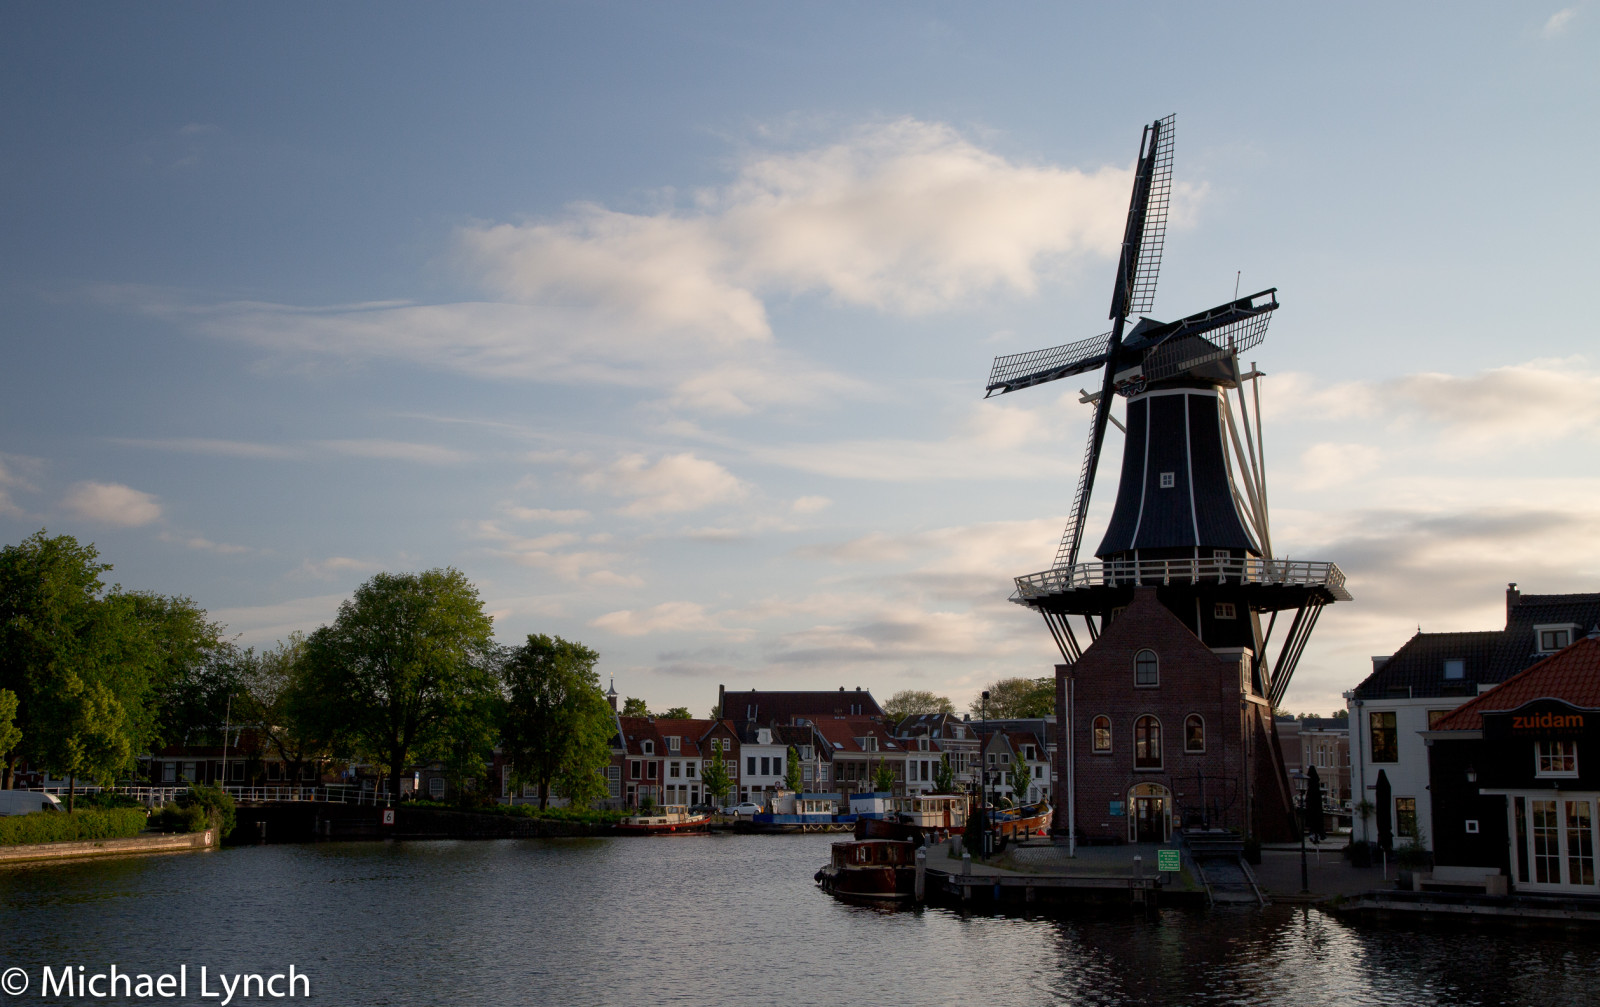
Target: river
x,y
710,920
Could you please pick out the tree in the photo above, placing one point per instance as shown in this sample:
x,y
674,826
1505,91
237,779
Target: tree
x,y
944,777
1018,698
557,725
10,733
633,706
883,778
791,775
676,713
909,702
278,695
404,668
714,777
89,734
1021,779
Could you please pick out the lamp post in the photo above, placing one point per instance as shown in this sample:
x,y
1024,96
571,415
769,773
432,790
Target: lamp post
x,y
1305,881
983,765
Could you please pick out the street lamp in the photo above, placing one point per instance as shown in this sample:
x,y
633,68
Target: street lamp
x,y
983,791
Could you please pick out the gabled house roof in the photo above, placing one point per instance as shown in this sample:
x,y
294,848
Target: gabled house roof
x,y
1571,675
844,737
690,731
768,707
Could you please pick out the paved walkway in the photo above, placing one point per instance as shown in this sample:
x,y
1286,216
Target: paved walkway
x,y
1327,870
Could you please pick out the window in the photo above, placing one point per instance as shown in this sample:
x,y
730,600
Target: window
x,y
1194,733
1556,758
1455,667
1385,739
650,770
614,781
1005,758
750,765
777,765
822,773
672,769
1146,671
1168,480
1405,817
1147,743
237,769
647,747
1554,639
1225,610
1100,734
1434,716
766,766
805,752
674,743
633,769
1038,772
169,772
274,770
688,770
436,787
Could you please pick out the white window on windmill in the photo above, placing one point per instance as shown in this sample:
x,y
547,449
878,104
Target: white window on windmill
x,y
1169,480
1225,610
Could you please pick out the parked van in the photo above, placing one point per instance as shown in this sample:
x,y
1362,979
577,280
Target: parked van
x,y
25,802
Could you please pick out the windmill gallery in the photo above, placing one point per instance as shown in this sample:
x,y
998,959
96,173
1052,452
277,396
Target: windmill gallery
x,y
1192,625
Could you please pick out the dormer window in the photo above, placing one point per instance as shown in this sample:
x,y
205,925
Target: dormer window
x,y
1552,638
647,747
1455,667
674,743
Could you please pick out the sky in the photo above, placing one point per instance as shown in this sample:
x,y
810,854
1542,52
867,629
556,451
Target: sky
x,y
668,324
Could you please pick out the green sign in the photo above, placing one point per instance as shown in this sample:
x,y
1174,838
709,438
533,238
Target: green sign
x,y
1167,860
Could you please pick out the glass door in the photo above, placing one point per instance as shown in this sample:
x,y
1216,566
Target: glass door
x,y
1557,840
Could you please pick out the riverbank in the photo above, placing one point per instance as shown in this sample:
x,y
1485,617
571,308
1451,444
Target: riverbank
x,y
142,844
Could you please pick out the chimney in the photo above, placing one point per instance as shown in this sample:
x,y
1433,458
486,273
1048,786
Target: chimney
x,y
1513,598
722,711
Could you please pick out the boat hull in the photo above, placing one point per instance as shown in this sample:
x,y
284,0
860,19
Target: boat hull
x,y
880,884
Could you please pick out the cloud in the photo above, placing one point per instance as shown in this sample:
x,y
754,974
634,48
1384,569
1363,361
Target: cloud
x,y
593,568
551,516
1326,464
10,479
1558,22
903,217
668,617
810,504
673,484
262,624
211,446
203,544
422,454
112,504
333,567
1518,403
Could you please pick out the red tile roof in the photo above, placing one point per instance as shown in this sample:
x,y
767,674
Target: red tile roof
x,y
1571,675
842,734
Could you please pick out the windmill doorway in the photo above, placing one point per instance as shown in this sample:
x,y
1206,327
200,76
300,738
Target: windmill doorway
x,y
1151,818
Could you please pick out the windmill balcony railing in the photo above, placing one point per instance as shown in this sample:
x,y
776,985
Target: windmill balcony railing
x,y
1160,572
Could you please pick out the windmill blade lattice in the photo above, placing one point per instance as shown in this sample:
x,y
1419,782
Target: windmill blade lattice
x,y
1154,238
1019,370
1185,353
1067,551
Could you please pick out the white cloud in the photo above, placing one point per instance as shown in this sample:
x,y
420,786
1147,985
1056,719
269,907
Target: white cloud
x,y
265,624
550,516
112,504
904,217
211,446
333,567
1327,464
668,617
590,567
673,484
202,544
423,454
810,504
1559,22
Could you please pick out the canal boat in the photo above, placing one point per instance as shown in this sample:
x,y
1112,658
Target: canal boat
x,y
791,812
877,870
1021,823
672,819
924,818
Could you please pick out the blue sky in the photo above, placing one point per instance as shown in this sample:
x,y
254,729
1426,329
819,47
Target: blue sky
x,y
668,324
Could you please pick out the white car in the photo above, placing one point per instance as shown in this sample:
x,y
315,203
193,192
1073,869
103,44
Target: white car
x,y
746,809
25,802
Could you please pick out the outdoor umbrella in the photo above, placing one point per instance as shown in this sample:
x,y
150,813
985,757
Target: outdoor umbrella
x,y
1314,804
1385,826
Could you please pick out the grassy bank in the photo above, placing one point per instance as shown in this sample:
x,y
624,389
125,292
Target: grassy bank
x,y
577,815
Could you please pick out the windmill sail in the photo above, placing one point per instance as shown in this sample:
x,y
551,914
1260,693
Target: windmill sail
x,y
1067,552
1154,236
1019,370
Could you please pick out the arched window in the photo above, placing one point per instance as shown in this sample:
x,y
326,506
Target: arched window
x,y
1101,734
1194,733
1146,672
1147,743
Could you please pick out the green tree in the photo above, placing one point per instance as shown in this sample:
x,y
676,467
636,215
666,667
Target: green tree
x,y
883,778
89,734
10,733
557,724
1021,778
944,777
676,713
279,696
714,777
1017,698
791,773
910,702
404,668
633,706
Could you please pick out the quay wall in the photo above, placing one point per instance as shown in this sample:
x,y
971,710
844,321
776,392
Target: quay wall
x,y
148,843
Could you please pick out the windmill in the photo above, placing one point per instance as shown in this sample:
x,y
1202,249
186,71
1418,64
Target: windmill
x,y
1191,511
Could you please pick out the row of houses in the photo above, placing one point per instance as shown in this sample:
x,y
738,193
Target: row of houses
x,y
841,741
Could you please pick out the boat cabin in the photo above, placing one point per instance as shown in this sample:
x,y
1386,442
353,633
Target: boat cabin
x,y
874,853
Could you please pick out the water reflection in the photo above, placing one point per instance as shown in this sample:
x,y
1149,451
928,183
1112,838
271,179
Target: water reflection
x,y
713,920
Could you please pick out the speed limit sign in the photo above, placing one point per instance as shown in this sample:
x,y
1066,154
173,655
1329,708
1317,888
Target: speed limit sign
x,y
388,816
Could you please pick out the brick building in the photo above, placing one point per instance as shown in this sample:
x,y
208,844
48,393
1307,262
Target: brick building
x,y
1168,733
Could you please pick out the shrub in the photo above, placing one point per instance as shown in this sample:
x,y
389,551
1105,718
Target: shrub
x,y
181,818
218,807
56,827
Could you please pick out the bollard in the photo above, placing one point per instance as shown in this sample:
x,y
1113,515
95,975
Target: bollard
x,y
1138,867
922,875
966,864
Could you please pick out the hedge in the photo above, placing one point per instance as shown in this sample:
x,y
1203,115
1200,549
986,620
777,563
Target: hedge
x,y
585,815
59,827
